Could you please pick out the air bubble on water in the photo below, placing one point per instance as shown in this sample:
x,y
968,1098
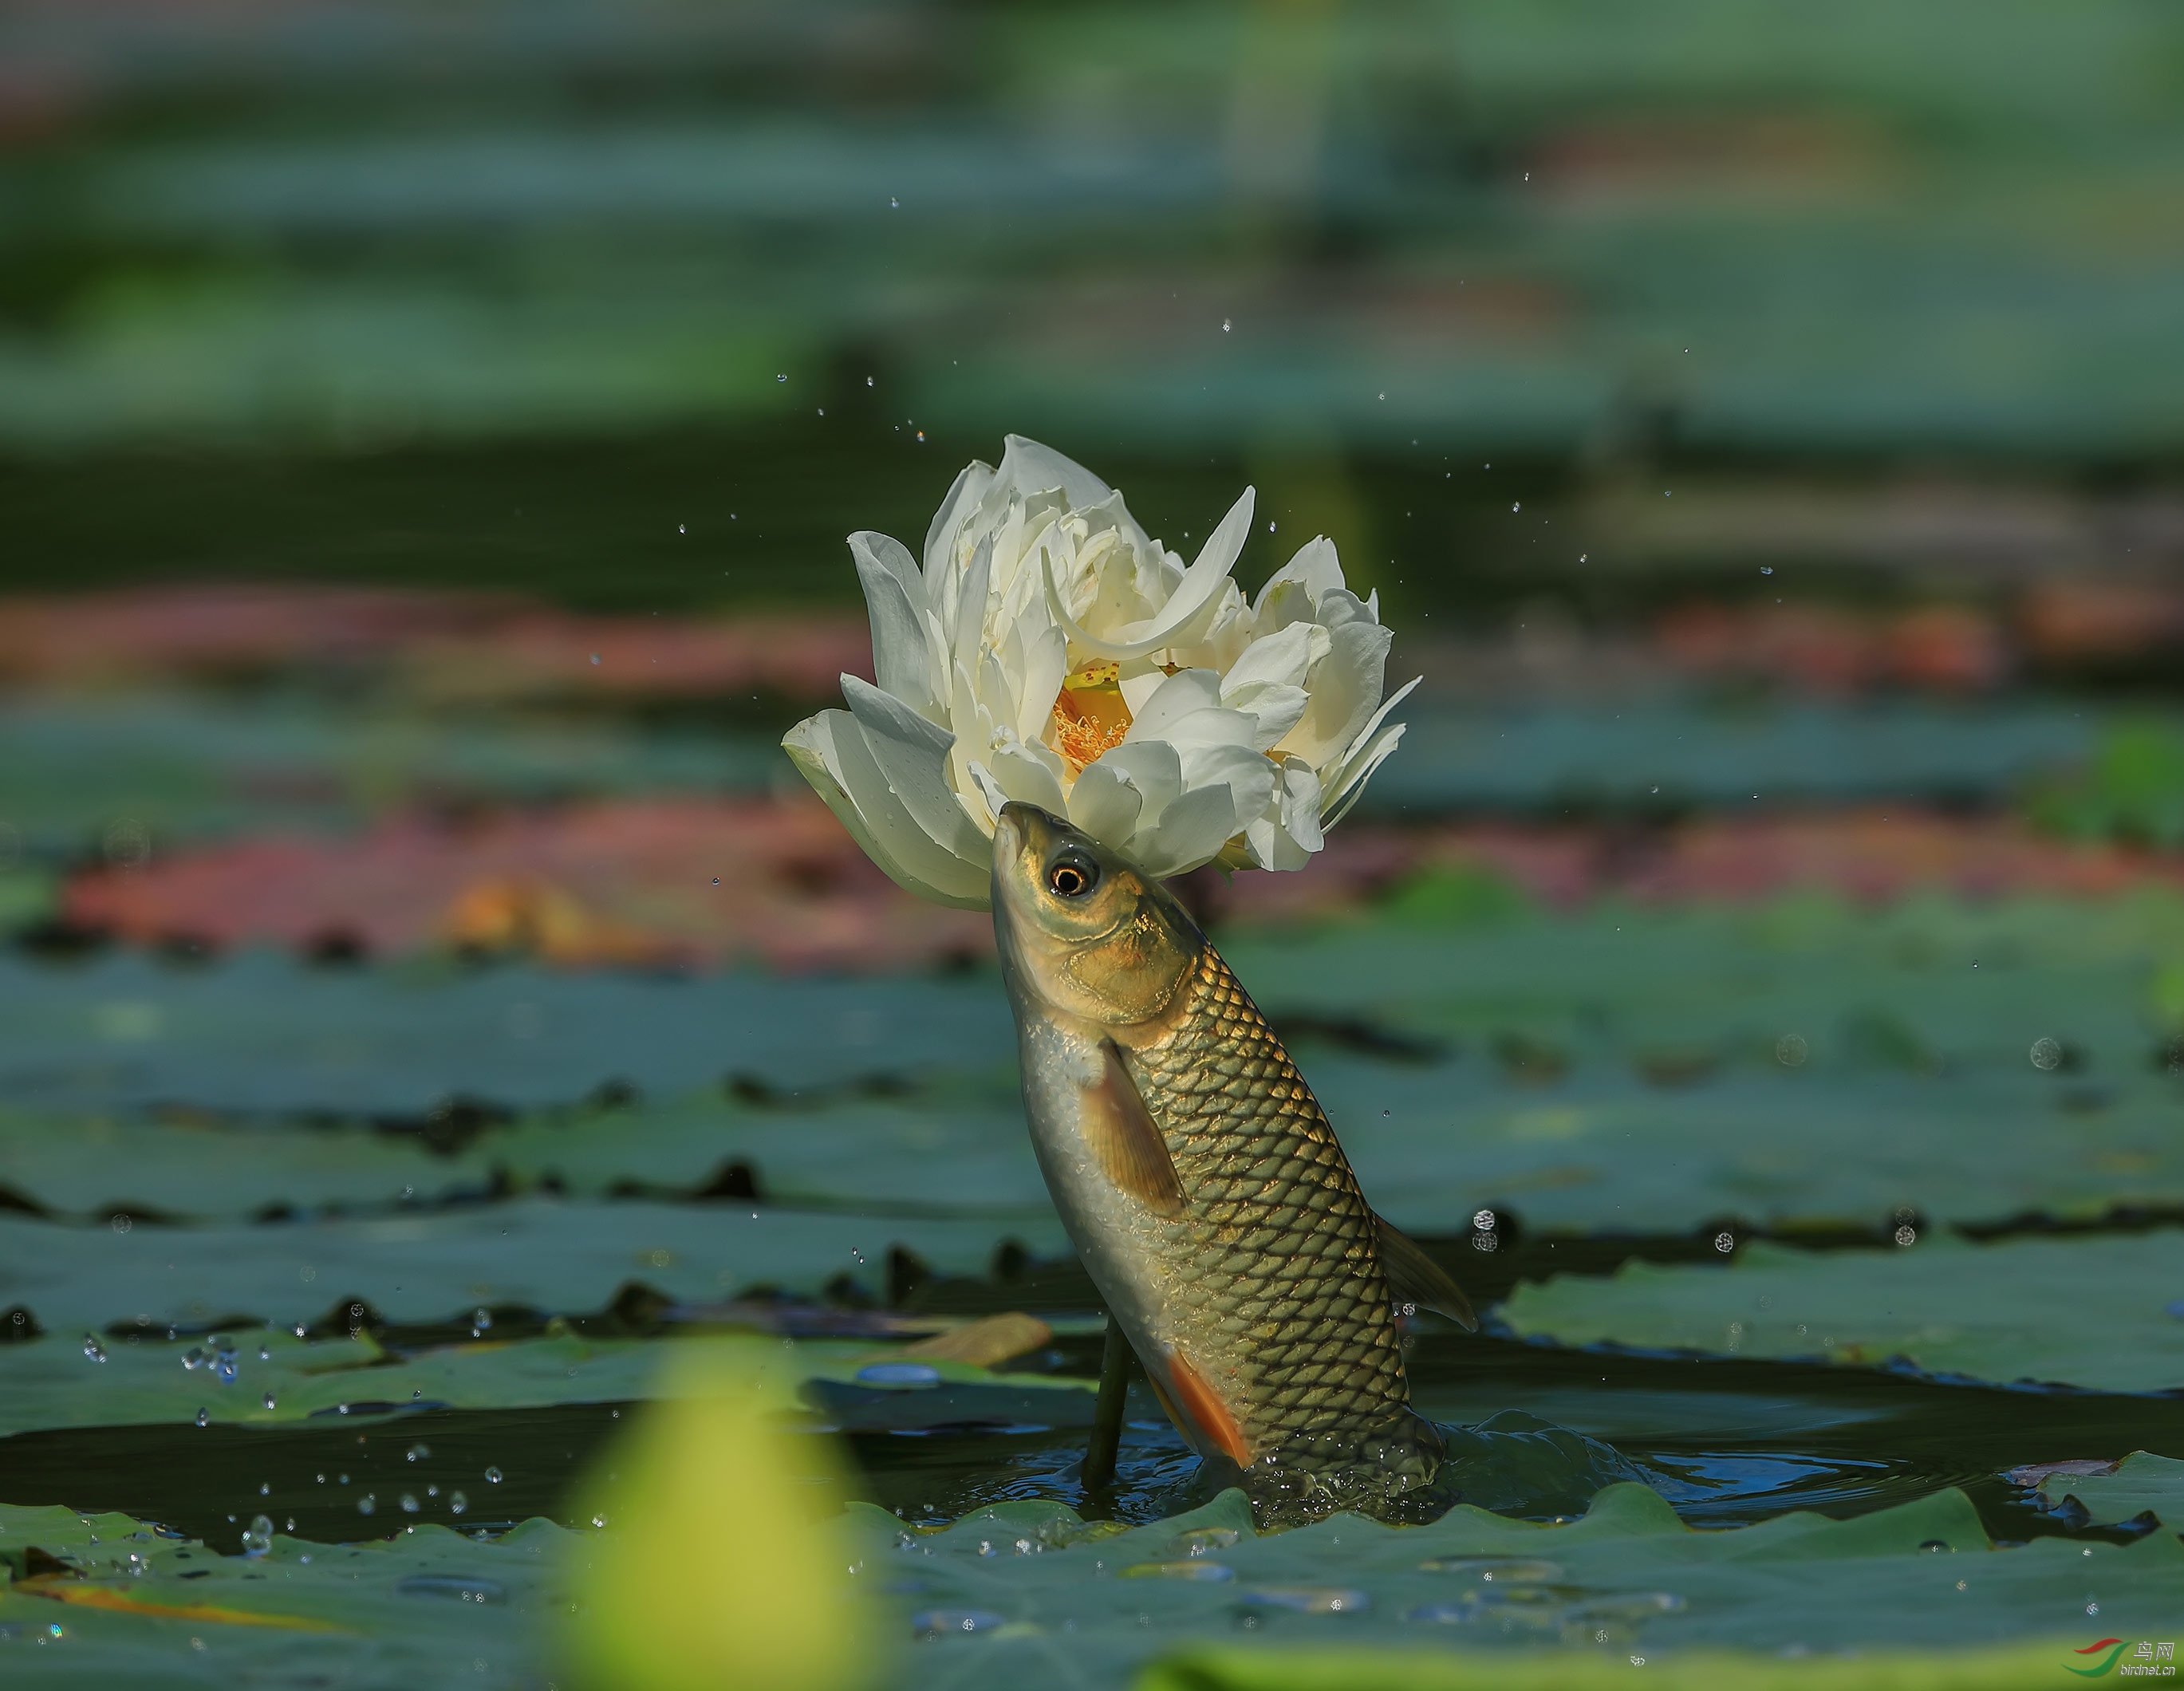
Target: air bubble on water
x,y
457,1503
1907,1236
121,1224
2047,1053
1725,1242
203,1419
1483,1220
492,1476
367,1505
258,1536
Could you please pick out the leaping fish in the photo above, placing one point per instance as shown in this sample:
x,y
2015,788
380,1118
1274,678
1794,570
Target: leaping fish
x,y
1201,1183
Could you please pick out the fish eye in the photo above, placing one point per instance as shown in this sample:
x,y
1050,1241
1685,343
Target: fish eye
x,y
1072,877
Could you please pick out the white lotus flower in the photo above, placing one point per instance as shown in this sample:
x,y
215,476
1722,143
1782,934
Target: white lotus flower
x,y
1050,652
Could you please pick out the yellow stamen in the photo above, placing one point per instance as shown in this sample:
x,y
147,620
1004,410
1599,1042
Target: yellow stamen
x,y
1089,716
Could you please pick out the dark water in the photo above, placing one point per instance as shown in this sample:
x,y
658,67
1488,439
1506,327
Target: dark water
x,y
1727,1442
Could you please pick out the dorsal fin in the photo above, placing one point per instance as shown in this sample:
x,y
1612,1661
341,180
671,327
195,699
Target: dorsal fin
x,y
1416,1278
1126,1138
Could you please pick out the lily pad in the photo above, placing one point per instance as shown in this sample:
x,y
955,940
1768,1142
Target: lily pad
x,y
2090,1312
2140,1482
1627,1579
428,1266
103,1598
264,1378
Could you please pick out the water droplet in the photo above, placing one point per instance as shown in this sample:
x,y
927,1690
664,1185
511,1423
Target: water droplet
x,y
894,203
681,528
203,1419
493,1476
782,377
195,1357
1790,1050
1725,1242
1224,325
1516,507
596,657
1483,1220
1766,569
1907,1237
265,1488
409,1503
367,1505
417,1453
1308,1600
2047,1053
900,1374
457,1503
463,1588
268,1400
935,1623
598,1521
122,1224
258,1536
868,381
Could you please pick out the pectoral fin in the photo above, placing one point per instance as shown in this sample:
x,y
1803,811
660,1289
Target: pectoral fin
x,y
1416,1278
1127,1140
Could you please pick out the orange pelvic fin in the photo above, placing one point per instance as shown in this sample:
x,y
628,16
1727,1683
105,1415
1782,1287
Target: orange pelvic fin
x,y
1204,1412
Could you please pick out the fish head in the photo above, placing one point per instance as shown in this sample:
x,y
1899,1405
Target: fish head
x,y
1084,933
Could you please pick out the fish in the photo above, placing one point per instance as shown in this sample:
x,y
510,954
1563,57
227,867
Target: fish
x,y
1201,1183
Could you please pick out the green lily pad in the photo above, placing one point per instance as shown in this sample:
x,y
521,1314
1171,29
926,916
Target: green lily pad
x,y
1625,1071
2092,1312
558,1257
1028,1592
2140,1482
262,1378
120,1602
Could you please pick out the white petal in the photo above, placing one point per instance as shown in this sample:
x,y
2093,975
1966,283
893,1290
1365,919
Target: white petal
x,y
831,751
1248,776
895,595
1197,595
1276,709
913,753
1045,666
1178,696
1031,775
1314,569
1106,803
1028,468
1191,831
1344,686
969,607
1370,751
1285,658
962,499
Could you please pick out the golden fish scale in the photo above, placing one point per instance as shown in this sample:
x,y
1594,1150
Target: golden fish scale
x,y
1278,1247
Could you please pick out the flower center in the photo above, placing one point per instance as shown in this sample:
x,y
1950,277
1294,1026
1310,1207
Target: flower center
x,y
1089,716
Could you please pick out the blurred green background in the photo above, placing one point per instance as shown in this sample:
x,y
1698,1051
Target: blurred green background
x,y
647,304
